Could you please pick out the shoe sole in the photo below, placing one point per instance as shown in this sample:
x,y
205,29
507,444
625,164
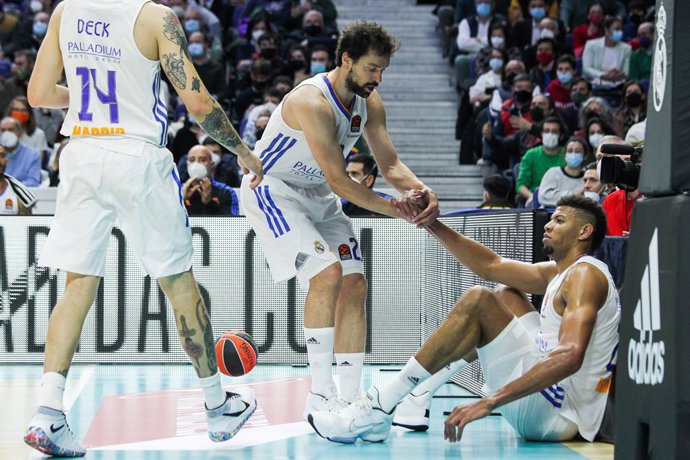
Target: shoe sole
x,y
222,436
348,440
417,428
39,440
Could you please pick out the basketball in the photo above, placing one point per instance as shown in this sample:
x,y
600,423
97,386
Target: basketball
x,y
236,353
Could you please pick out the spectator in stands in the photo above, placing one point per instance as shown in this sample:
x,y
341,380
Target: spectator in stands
x,y
576,12
560,87
595,131
258,25
545,70
362,169
212,73
609,139
226,169
201,193
593,29
39,27
580,91
618,206
298,66
540,159
473,35
320,60
599,108
21,72
606,60
641,59
15,199
12,35
504,92
636,133
592,187
561,181
29,133
24,162
637,14
260,74
314,32
198,18
632,110
482,91
496,193
272,98
528,31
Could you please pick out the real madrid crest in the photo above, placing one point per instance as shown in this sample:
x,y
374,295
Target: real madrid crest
x,y
318,247
660,61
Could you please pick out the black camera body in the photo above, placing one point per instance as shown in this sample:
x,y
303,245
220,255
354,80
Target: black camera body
x,y
614,170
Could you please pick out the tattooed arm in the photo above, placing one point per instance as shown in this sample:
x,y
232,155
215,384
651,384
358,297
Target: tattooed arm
x,y
175,61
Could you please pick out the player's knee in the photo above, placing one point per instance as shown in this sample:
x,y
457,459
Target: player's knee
x,y
475,299
328,278
355,285
504,291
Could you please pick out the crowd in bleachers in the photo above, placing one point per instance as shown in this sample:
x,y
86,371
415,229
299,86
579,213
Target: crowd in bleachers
x,y
543,84
248,53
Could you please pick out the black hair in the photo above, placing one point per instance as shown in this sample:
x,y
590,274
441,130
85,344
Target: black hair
x,y
594,213
570,59
361,37
497,185
370,167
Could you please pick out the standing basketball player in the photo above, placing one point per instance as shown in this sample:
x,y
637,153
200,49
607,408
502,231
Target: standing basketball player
x,y
298,217
116,167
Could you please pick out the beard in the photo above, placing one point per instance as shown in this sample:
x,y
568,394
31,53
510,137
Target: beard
x,y
359,90
548,250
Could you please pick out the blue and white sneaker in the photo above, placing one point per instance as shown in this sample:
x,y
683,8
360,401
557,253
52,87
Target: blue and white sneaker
x,y
363,419
225,421
48,432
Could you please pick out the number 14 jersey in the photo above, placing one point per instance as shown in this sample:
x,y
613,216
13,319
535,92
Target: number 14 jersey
x,y
114,90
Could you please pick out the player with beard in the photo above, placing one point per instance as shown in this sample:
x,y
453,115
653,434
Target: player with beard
x,y
296,212
548,371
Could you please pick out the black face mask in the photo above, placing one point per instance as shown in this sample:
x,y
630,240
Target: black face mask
x,y
260,85
633,99
296,64
523,96
590,114
268,53
312,30
537,113
259,133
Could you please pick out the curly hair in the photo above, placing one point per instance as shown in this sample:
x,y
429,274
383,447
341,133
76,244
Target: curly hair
x,y
361,37
592,212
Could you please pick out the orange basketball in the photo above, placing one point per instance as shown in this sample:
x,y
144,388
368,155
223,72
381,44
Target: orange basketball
x,y
236,353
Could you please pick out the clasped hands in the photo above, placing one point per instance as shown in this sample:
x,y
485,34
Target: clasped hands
x,y
419,207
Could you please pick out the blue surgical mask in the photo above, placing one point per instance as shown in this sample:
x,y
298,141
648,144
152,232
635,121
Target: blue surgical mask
x,y
617,36
483,9
192,25
496,64
574,159
537,12
565,77
196,50
39,29
318,67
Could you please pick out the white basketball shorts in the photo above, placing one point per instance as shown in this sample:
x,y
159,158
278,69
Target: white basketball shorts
x,y
300,226
141,190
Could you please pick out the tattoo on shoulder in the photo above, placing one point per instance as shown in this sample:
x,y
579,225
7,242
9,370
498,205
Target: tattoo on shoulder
x,y
196,85
219,127
172,30
174,68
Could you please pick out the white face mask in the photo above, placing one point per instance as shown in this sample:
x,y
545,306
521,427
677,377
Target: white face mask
x,y
9,140
546,33
595,140
550,140
215,158
197,170
497,42
594,196
256,34
36,6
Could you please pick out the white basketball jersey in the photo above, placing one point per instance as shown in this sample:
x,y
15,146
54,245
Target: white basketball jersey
x,y
114,91
583,395
8,200
284,151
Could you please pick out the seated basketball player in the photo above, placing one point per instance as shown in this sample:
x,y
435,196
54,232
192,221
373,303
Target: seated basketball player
x,y
548,371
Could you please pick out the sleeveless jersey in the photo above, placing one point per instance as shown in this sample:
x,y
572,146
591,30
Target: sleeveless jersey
x,y
8,201
114,91
284,151
583,395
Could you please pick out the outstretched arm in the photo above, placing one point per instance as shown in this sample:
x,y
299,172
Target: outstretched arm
x,y
584,292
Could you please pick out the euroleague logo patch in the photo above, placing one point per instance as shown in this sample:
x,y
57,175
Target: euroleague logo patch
x,y
355,124
344,252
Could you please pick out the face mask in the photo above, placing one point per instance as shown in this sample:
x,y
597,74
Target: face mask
x,y
260,85
578,97
22,117
497,42
564,77
9,140
196,50
39,29
21,74
595,140
574,159
312,30
36,6
259,134
256,34
268,53
594,196
544,58
318,67
550,140
523,96
633,99
537,12
483,9
191,26
546,33
179,11
197,170
537,113
297,64
616,36
596,18
645,41
496,64
215,158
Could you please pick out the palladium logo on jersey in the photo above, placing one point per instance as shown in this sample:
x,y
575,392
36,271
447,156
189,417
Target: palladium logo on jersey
x,y
646,356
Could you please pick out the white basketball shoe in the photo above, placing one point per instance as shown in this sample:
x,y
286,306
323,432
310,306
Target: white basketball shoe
x,y
363,419
413,412
329,402
48,432
225,421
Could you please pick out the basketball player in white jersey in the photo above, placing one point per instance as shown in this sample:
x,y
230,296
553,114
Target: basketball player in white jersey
x,y
116,166
15,198
296,212
548,371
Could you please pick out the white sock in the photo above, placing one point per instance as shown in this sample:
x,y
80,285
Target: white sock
x,y
350,374
409,377
436,381
214,394
320,354
52,391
